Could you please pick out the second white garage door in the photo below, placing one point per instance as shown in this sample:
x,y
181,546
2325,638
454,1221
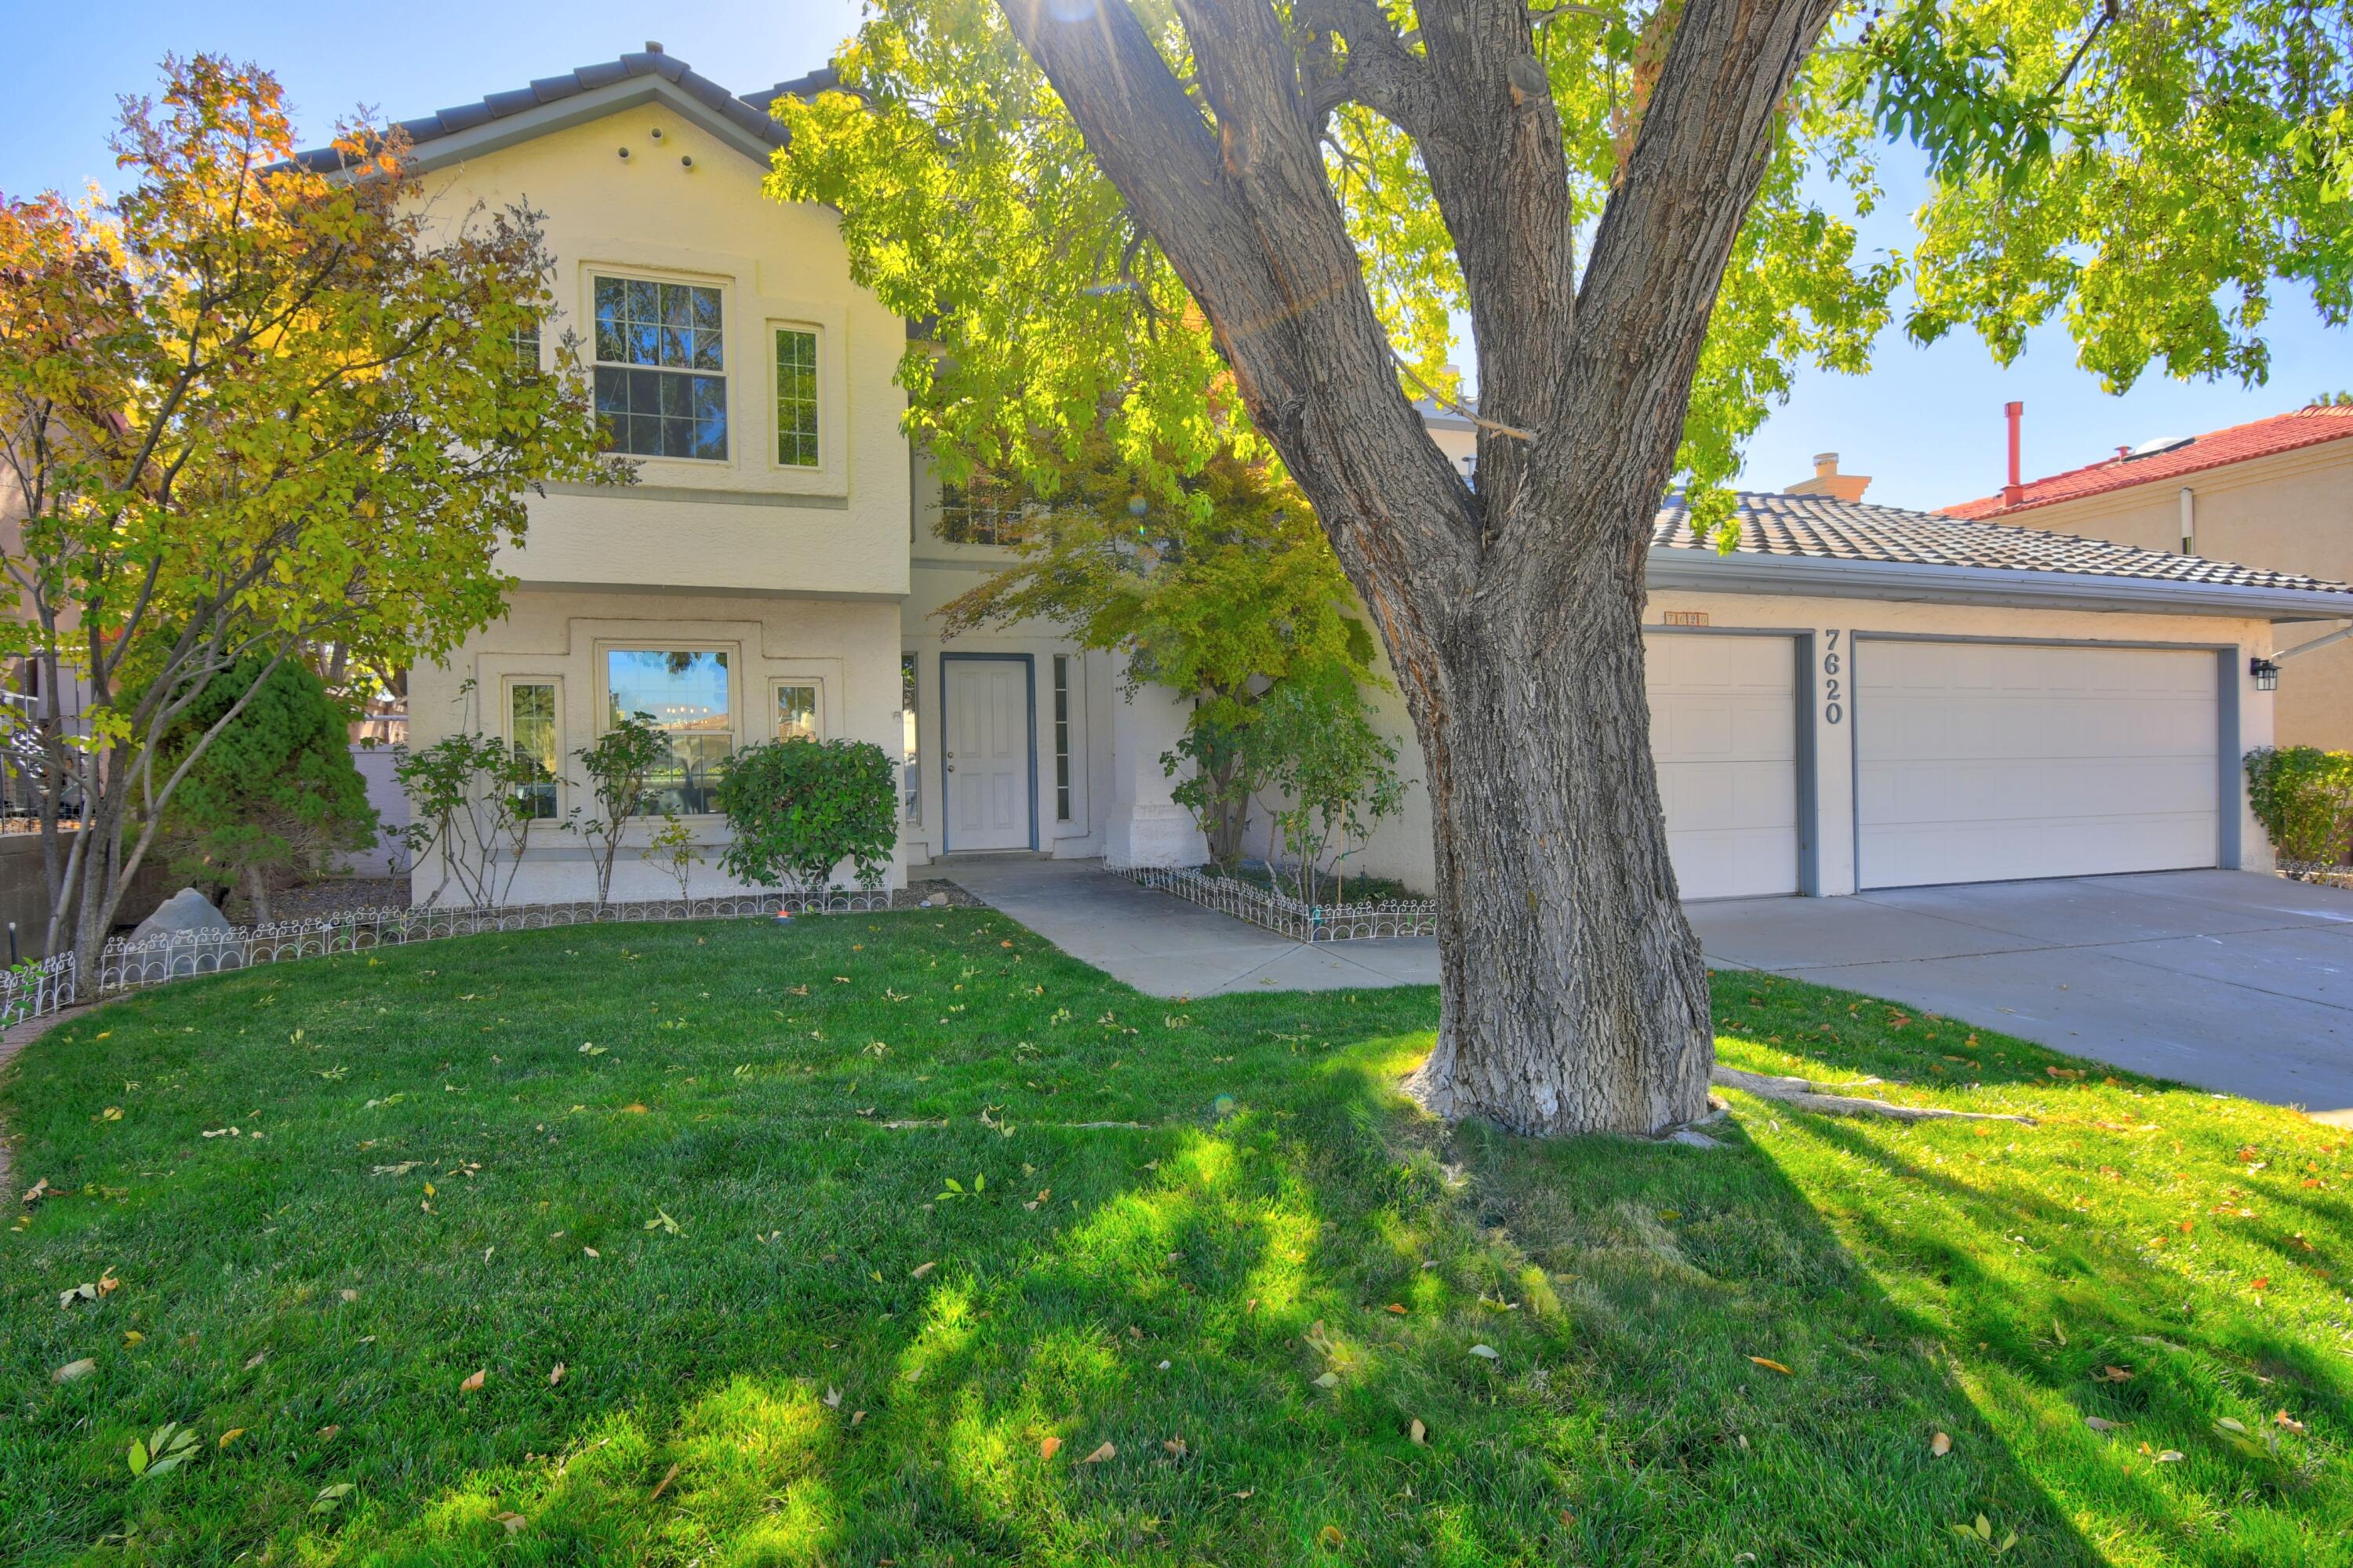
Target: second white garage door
x,y
1724,732
1991,761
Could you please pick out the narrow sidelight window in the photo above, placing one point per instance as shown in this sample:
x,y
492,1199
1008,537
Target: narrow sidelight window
x,y
1061,737
796,398
911,804
531,732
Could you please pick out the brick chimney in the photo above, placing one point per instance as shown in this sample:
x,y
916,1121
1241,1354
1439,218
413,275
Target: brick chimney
x,y
2014,491
1827,481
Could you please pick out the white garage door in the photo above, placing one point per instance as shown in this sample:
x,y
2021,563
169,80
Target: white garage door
x,y
1724,731
1985,762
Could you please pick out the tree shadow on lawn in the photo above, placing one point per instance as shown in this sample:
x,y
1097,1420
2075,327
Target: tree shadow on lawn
x,y
731,1087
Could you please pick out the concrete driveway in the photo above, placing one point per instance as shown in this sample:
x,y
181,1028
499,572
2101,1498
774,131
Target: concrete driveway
x,y
2223,978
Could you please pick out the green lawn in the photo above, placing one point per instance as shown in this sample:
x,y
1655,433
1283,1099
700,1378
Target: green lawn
x,y
663,1156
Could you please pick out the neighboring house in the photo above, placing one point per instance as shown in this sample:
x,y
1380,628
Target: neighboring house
x,y
1856,696
2277,493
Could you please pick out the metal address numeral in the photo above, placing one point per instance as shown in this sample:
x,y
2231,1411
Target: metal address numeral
x,y
1832,710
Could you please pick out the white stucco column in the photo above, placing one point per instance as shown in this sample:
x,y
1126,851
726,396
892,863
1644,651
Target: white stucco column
x,y
1144,826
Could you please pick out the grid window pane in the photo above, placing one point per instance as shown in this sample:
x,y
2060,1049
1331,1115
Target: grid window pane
x,y
531,731
686,697
911,792
797,713
796,442
1061,737
524,345
670,400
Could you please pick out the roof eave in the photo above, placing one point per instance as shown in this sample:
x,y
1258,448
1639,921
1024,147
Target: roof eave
x,y
1683,568
579,108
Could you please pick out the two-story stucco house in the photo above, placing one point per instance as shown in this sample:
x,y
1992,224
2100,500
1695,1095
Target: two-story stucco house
x,y
1856,696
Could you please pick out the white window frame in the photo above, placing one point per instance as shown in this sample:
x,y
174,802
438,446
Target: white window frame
x,y
507,685
777,683
602,650
826,412
593,270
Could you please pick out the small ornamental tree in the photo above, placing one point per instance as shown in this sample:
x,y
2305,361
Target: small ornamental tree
x,y
469,800
618,767
275,797
1219,592
800,808
1332,774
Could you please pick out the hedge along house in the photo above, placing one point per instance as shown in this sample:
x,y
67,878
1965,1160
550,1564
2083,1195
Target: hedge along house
x,y
1858,697
773,571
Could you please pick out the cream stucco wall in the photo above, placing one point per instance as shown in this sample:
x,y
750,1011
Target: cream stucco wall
x,y
688,209
1402,847
849,650
2290,512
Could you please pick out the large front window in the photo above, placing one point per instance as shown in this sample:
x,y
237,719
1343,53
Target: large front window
x,y
661,383
687,698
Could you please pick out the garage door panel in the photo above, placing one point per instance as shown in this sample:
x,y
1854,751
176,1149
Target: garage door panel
x,y
2077,761
1724,735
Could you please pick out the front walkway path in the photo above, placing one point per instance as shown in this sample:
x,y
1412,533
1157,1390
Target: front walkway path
x,y
1165,947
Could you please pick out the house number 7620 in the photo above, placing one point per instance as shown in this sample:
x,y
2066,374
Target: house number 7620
x,y
1832,710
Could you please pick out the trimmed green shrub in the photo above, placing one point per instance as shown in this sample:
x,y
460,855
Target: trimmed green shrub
x,y
800,808
2303,798
274,798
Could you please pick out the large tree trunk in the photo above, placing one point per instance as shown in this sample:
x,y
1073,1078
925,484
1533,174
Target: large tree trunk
x,y
1574,996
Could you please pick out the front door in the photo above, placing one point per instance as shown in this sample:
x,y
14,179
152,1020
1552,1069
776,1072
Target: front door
x,y
988,754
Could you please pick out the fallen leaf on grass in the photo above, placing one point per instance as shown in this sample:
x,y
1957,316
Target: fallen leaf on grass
x,y
2112,1375
513,1521
592,1252
1769,1364
2287,1423
1329,1380
1330,1539
132,1337
1049,1445
667,1477
73,1370
473,1383
1393,1307
2102,1424
1488,1352
1106,1452
922,1270
634,1108
832,1399
1176,1446
1939,1445
856,1416
231,1436
255,1359
2171,1456
328,1434
556,1375
1419,1433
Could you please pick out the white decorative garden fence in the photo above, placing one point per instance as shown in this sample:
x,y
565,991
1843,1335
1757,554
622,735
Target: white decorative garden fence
x,y
45,986
1289,917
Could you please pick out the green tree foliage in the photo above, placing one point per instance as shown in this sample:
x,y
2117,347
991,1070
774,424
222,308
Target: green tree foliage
x,y
2145,172
800,808
251,406
1222,595
275,797
2303,798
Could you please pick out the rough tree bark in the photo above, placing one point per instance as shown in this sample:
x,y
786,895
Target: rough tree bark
x,y
1574,999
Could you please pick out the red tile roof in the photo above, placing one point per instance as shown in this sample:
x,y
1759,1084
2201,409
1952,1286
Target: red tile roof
x,y
2239,443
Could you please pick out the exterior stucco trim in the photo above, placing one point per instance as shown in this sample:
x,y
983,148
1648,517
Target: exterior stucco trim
x,y
631,92
698,494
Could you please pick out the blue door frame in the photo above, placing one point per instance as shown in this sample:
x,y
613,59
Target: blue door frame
x,y
1029,663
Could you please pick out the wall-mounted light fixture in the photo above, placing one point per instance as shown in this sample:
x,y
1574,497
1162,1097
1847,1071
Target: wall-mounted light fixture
x,y
2265,673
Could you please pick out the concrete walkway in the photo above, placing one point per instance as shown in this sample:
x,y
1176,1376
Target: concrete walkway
x,y
1165,947
2235,982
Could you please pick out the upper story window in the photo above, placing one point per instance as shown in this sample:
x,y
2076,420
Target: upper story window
x,y
984,511
662,382
796,397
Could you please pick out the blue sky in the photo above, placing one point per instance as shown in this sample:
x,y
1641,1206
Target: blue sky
x,y
1926,423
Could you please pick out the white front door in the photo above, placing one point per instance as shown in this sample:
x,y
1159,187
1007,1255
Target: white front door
x,y
988,754
1724,733
1991,762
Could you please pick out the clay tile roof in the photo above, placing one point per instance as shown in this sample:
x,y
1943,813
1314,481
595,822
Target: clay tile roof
x,y
749,112
1824,529
2262,437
